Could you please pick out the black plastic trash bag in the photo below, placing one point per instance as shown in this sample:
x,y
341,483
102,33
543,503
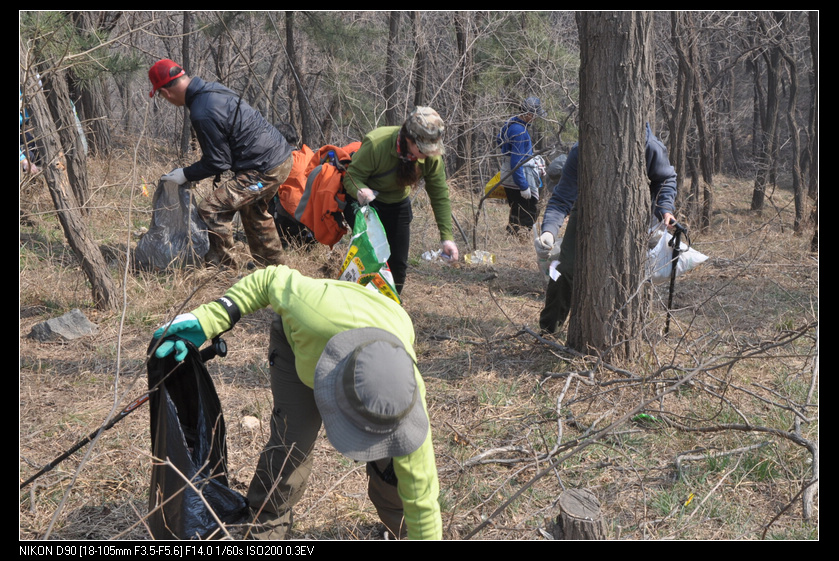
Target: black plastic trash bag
x,y
187,429
177,235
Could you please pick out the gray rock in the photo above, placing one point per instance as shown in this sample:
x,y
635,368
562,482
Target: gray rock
x,y
72,325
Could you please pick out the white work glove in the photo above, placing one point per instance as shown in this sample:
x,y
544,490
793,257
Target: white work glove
x,y
544,244
366,196
525,193
176,176
546,240
449,250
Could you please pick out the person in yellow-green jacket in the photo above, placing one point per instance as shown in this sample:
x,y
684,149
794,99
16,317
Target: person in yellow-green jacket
x,y
390,161
341,356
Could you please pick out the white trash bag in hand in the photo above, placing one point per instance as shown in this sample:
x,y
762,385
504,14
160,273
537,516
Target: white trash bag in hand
x,y
660,258
547,252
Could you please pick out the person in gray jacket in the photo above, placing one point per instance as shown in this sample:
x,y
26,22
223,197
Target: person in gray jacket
x,y
233,136
662,178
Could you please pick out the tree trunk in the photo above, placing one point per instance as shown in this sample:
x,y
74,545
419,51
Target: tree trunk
x,y
272,82
294,117
91,94
93,113
767,149
420,70
105,295
705,149
691,106
616,101
732,133
799,196
307,124
814,218
71,146
682,107
463,136
220,49
393,116
813,187
328,123
186,62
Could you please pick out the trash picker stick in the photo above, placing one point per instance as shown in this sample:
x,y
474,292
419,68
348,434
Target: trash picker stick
x,y
677,248
120,416
218,348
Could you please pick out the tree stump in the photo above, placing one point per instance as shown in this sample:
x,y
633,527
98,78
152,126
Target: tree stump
x,y
579,517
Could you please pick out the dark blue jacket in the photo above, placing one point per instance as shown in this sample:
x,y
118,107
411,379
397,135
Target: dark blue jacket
x,y
230,139
661,174
514,141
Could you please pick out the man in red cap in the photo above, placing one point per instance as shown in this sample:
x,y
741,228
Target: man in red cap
x,y
233,137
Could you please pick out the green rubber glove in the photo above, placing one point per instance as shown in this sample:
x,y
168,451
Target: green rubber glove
x,y
185,326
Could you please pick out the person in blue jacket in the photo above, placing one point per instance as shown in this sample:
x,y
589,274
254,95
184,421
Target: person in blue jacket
x,y
28,151
522,185
662,177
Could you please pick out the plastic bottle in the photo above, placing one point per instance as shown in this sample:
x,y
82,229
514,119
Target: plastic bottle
x,y
479,256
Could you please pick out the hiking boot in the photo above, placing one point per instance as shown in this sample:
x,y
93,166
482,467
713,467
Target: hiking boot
x,y
269,526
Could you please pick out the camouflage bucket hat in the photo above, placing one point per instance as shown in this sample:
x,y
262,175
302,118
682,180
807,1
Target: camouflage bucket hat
x,y
533,105
426,127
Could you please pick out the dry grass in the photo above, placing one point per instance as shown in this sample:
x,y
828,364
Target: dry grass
x,y
500,399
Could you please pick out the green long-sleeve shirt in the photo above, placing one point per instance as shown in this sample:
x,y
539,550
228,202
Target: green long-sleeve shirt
x,y
374,166
312,311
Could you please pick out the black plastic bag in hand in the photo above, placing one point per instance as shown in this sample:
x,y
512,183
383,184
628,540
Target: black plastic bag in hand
x,y
187,429
177,235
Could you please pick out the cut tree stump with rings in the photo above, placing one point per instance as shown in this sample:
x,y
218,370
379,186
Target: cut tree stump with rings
x,y
579,517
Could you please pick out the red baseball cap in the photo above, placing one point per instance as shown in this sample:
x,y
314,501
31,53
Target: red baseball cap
x,y
163,72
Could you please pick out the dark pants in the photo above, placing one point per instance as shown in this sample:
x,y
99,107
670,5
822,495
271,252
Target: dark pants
x,y
396,220
523,211
286,460
558,293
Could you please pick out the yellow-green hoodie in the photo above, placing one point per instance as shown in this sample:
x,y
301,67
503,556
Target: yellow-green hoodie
x,y
312,311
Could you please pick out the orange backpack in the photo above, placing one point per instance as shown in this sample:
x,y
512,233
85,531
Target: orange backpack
x,y
313,193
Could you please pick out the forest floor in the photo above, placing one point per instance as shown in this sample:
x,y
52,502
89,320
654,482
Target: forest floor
x,y
516,419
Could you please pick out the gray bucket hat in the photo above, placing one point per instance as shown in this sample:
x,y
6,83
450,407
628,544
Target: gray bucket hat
x,y
426,127
368,396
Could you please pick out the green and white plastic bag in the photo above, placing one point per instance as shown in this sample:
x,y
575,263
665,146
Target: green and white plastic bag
x,y
366,260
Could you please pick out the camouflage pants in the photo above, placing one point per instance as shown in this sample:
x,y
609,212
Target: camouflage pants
x,y
241,194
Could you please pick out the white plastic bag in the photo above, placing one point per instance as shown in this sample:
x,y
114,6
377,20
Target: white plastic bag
x,y
533,169
660,259
547,261
437,256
